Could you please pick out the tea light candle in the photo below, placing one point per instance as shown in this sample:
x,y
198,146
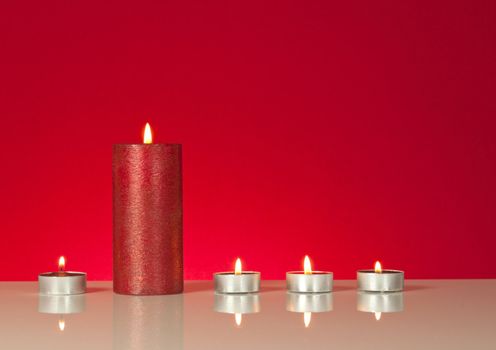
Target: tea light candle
x,y
379,280
62,282
238,281
308,281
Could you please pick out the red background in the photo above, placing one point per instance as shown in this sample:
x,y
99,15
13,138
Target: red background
x,y
349,131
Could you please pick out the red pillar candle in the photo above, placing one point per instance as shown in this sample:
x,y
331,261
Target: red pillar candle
x,y
147,218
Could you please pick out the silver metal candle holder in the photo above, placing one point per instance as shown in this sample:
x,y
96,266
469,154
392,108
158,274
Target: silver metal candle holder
x,y
229,282
385,281
316,282
62,283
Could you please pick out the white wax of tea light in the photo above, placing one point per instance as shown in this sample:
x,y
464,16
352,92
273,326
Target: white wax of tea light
x,y
380,280
237,281
309,281
62,282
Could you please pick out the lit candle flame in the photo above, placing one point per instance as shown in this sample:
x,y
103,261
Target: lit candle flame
x,y
377,315
61,263
238,318
307,318
237,267
307,266
147,137
378,267
61,324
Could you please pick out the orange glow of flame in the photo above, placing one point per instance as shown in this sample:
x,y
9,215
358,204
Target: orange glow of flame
x,y
61,263
237,267
147,137
238,318
307,266
377,315
378,267
307,318
61,324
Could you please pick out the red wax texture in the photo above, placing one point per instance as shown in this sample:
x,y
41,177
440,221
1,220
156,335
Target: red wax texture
x,y
147,219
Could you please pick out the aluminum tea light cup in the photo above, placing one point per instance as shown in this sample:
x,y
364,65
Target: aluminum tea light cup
x,y
237,281
62,282
379,280
309,281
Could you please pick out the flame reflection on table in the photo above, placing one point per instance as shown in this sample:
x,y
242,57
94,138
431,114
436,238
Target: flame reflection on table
x,y
307,303
379,303
237,304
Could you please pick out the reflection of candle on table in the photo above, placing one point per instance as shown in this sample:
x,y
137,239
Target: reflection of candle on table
x,y
62,282
147,218
307,318
237,304
148,322
307,303
309,281
238,281
238,317
61,304
378,303
380,280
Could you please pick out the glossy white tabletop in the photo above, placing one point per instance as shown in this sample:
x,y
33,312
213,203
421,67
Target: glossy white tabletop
x,y
440,314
